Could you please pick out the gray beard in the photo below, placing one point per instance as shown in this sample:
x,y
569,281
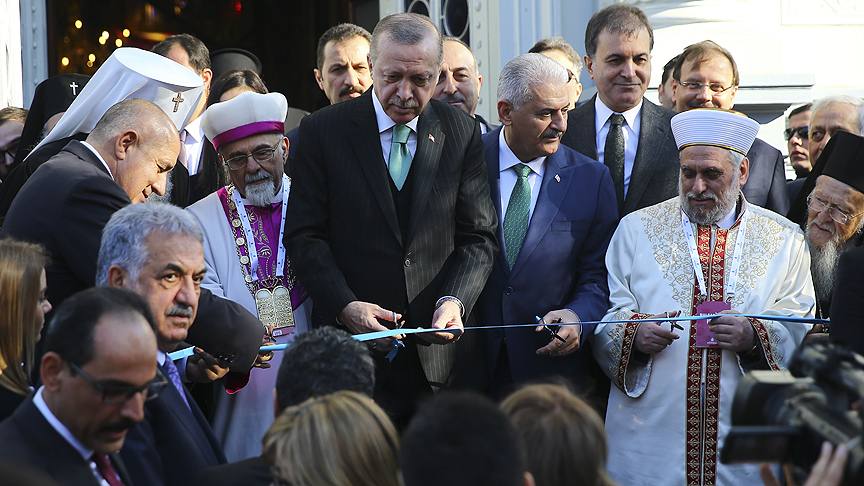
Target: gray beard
x,y
823,266
725,202
169,186
260,194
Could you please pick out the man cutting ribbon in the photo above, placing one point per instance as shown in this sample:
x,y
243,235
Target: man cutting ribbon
x,y
705,252
246,261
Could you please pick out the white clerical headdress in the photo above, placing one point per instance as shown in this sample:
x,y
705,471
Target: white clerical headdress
x,y
716,127
247,114
132,73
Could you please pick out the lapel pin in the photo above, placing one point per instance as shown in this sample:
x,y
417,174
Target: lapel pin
x,y
431,138
557,178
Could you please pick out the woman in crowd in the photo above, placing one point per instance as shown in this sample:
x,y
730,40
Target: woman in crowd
x,y
23,306
564,437
334,440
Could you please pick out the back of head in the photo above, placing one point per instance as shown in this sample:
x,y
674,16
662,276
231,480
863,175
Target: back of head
x,y
199,55
619,18
143,116
461,438
323,361
518,75
338,33
21,266
70,333
124,238
235,79
559,44
701,52
565,440
405,29
334,440
828,101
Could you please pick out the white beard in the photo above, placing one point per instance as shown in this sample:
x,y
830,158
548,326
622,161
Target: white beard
x,y
725,201
169,186
262,193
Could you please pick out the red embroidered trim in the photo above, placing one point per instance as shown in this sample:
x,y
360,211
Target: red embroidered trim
x,y
765,342
627,342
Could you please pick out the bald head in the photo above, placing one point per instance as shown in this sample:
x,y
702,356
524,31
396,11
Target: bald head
x,y
140,145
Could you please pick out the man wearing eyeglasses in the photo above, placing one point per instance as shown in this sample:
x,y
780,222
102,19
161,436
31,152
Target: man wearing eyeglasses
x,y
97,371
706,76
247,262
155,250
798,140
563,53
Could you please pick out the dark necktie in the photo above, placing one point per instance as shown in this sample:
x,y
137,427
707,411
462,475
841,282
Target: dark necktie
x,y
613,155
103,465
174,376
400,157
516,217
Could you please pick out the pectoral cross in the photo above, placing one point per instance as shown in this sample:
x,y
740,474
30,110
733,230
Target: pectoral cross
x,y
74,87
177,100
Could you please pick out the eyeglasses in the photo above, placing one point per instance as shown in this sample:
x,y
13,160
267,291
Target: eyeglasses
x,y
115,395
803,133
836,213
260,156
715,87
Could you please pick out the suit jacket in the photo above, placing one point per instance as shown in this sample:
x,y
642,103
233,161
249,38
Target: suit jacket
x,y
560,265
173,444
65,205
248,472
655,169
847,327
26,437
766,185
344,237
211,176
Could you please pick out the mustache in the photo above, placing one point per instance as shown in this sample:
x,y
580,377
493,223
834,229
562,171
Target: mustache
x,y
347,90
452,98
406,104
120,425
551,133
258,176
181,310
702,195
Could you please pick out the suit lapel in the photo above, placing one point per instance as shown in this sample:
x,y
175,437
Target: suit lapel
x,y
366,143
430,143
584,131
648,151
556,180
493,166
184,415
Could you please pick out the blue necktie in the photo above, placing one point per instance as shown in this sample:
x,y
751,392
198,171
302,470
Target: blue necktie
x,y
400,157
516,217
174,376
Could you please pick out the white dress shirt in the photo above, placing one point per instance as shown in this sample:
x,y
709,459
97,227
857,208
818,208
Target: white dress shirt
x,y
385,130
98,156
507,177
194,145
630,129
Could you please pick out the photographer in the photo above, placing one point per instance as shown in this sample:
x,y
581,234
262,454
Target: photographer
x,y
828,470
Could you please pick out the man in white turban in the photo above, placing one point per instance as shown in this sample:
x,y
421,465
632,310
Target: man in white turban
x,y
705,252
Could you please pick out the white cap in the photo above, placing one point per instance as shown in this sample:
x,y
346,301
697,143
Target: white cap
x,y
132,73
716,127
246,114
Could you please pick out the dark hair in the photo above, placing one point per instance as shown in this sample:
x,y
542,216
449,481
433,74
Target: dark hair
x,y
800,109
70,333
199,55
235,79
339,33
323,361
13,113
559,44
461,438
703,51
667,70
619,18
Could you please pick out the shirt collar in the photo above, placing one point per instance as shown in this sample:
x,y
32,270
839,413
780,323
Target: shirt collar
x,y
507,159
384,121
195,130
603,113
99,156
39,401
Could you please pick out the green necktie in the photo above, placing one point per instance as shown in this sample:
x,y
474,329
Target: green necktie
x,y
516,218
400,157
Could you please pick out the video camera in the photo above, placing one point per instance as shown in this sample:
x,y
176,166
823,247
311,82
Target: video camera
x,y
786,416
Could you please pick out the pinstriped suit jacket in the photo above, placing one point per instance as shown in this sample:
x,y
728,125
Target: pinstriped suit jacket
x,y
343,235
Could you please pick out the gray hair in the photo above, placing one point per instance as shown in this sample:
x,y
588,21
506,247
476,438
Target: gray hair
x,y
517,77
558,43
827,101
405,29
736,158
124,239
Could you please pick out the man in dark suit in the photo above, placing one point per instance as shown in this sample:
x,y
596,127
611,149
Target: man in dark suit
x,y
417,243
706,76
69,199
638,147
460,80
98,369
156,251
551,266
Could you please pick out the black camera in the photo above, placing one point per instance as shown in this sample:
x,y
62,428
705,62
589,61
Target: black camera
x,y
785,416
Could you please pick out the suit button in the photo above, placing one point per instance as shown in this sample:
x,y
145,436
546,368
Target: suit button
x,y
508,291
407,262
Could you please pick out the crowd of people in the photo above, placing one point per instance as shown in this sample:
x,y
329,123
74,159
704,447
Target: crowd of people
x,y
532,286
